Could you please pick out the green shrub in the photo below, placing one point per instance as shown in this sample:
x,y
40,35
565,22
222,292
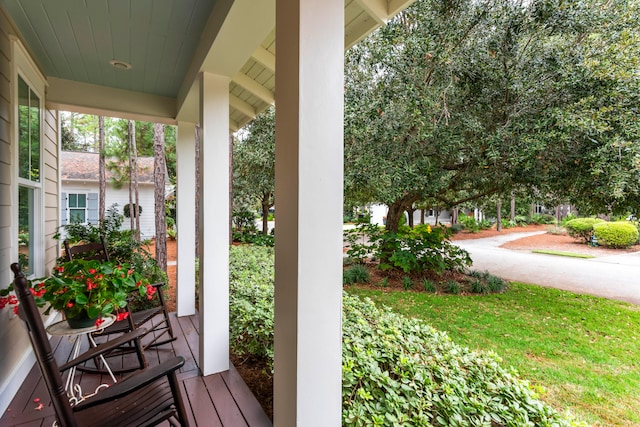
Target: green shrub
x,y
485,282
407,283
616,234
395,370
429,286
251,301
469,223
384,282
421,248
581,228
356,274
452,287
479,287
542,219
456,228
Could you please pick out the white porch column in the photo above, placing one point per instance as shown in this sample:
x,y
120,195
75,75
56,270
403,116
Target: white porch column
x,y
186,219
214,223
309,182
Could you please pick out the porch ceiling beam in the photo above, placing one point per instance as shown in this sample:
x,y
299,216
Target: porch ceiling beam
x,y
265,57
377,9
396,6
254,87
101,100
244,107
233,125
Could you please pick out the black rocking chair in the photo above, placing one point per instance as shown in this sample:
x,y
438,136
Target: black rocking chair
x,y
157,334
146,398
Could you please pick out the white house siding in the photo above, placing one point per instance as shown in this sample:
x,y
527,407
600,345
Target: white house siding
x,y
16,358
121,197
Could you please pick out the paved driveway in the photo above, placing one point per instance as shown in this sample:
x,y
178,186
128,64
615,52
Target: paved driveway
x,y
615,277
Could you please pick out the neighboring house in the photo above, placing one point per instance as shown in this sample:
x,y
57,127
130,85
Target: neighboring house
x,y
80,189
379,215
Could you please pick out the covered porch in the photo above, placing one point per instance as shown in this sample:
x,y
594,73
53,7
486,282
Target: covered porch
x,y
221,399
209,67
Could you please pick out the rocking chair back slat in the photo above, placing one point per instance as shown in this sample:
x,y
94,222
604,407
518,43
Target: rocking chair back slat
x,y
31,315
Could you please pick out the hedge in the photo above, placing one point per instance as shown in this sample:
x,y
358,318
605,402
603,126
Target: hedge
x,y
582,228
621,234
395,370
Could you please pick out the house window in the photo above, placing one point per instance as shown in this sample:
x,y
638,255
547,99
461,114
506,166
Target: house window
x,y
77,208
29,185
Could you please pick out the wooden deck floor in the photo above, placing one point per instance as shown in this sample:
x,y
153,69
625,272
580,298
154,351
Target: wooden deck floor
x,y
216,400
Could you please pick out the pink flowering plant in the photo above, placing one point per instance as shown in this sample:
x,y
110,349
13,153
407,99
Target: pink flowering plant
x,y
96,287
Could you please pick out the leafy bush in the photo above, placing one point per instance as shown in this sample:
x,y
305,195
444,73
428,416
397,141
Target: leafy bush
x,y
452,287
429,286
356,274
620,234
469,223
581,228
253,237
396,370
407,283
244,220
456,228
251,301
485,282
384,282
421,248
542,219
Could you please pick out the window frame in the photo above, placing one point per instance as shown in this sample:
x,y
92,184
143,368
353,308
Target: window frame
x,y
25,69
86,206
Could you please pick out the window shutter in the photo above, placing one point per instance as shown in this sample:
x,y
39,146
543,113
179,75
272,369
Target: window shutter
x,y
63,209
92,208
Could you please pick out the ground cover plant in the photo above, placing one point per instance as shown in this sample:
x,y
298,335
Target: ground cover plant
x,y
582,349
396,370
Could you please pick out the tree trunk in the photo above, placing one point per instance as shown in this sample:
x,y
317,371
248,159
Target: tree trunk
x,y
197,137
135,183
396,210
265,213
102,179
437,212
499,215
513,207
159,174
454,215
410,211
131,138
422,216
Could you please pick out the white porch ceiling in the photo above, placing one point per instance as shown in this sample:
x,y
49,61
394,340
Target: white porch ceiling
x,y
167,43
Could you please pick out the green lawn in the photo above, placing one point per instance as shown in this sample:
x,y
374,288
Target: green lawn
x,y
583,350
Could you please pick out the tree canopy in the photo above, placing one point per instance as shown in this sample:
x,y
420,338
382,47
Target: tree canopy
x,y
454,101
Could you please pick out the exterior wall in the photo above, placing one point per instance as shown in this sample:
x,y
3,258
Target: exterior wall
x,y
121,197
16,358
379,216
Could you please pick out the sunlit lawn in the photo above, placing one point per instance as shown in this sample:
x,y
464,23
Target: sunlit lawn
x,y
584,350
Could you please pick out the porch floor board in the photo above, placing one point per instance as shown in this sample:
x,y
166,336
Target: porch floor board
x,y
216,400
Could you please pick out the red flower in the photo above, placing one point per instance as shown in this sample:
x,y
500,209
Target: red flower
x,y
15,309
150,291
92,271
122,316
59,268
69,304
99,322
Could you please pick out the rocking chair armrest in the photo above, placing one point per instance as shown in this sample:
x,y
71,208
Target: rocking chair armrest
x,y
132,383
158,285
103,348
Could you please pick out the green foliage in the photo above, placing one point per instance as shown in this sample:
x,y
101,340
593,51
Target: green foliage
x,y
130,208
384,282
395,370
542,219
452,287
254,238
251,301
417,249
122,248
356,274
620,234
407,283
244,220
582,228
429,286
485,282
